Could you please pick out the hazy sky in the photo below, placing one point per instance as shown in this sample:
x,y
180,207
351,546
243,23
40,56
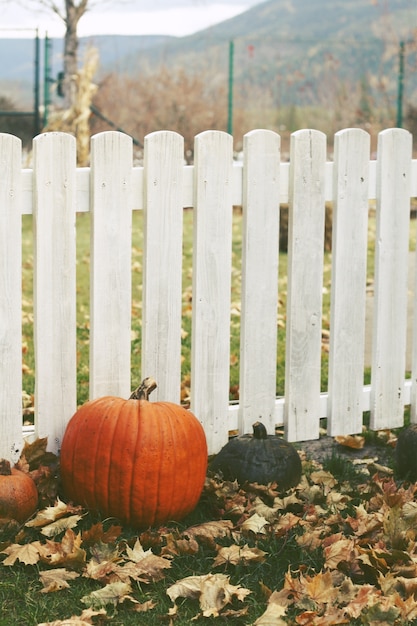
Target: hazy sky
x,y
130,17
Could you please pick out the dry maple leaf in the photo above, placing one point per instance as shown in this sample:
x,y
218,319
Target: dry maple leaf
x,y
85,619
208,532
104,563
356,442
365,523
319,588
254,524
113,593
67,552
407,608
366,596
144,607
270,513
149,569
311,538
64,523
56,579
28,553
213,591
35,454
53,513
274,611
97,534
332,617
235,555
176,545
285,523
105,572
342,550
320,477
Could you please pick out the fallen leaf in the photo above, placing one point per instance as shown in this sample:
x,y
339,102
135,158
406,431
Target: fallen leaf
x,y
208,533
56,579
27,553
113,593
176,546
235,555
213,591
274,611
67,552
97,534
85,619
52,513
356,442
64,523
255,524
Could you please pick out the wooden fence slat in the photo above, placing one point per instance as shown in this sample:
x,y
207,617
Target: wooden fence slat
x,y
305,285
162,263
260,245
413,407
391,278
111,260
11,296
348,294
54,164
210,368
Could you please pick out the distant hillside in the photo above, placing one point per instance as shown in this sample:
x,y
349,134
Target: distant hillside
x,y
294,48
301,43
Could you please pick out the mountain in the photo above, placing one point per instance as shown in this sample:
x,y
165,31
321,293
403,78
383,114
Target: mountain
x,y
301,43
288,46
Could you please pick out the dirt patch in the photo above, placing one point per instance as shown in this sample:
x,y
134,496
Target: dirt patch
x,y
371,454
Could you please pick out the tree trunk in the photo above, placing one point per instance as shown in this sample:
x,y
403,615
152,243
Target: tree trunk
x,y
73,14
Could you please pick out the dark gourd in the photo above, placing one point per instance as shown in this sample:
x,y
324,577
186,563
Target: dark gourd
x,y
406,453
259,458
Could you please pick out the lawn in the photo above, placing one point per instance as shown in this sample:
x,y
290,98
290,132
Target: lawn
x,y
339,548
83,242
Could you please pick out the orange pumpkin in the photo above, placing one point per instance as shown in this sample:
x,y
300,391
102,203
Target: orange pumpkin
x,y
142,462
18,493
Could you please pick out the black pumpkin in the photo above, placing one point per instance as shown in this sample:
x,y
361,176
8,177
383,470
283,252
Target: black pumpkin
x,y
406,453
259,458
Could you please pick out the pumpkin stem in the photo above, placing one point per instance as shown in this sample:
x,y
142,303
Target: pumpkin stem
x,y
144,390
259,431
5,468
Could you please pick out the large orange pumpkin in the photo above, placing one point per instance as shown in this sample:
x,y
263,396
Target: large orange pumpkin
x,y
18,493
142,462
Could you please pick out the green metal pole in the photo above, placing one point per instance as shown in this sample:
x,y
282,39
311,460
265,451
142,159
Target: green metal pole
x,y
400,86
47,79
36,112
230,97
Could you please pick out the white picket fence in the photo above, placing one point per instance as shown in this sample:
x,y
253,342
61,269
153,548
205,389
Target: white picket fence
x,y
55,190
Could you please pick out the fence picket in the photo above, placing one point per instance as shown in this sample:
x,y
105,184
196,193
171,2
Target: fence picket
x,y
162,265
210,366
54,168
348,296
11,298
391,278
260,244
111,260
305,284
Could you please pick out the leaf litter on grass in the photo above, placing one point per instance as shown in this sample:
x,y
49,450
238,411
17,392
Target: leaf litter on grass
x,y
347,551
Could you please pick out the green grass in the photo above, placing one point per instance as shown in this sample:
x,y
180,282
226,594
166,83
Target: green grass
x,y
83,244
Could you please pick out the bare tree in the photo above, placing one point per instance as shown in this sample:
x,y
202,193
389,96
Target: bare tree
x,y
70,12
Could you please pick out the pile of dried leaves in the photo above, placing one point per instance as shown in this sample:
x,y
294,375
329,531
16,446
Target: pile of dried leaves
x,y
365,537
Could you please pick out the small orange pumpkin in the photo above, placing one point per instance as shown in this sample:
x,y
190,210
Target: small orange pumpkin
x,y
18,493
142,462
